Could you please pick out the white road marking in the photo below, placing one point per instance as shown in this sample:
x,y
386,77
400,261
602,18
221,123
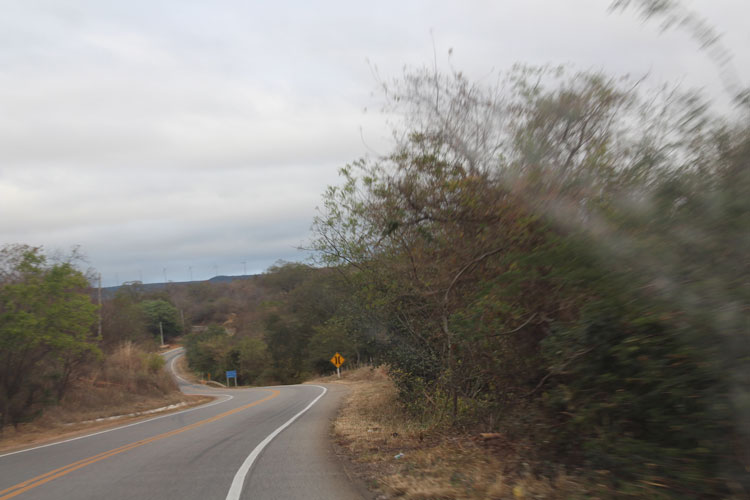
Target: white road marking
x,y
239,479
174,372
227,396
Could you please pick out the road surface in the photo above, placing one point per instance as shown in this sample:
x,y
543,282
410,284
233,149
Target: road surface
x,y
261,443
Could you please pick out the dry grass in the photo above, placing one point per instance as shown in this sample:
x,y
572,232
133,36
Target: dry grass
x,y
58,424
436,464
183,370
129,381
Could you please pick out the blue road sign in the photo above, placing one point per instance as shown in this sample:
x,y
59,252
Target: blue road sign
x,y
231,374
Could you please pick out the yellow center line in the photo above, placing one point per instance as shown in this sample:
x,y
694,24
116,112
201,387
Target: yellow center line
x,y
54,474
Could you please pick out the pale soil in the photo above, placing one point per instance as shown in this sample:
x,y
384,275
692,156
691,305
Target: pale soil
x,y
399,457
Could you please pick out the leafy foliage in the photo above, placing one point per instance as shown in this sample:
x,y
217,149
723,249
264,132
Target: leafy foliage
x,y
161,315
564,258
46,319
284,327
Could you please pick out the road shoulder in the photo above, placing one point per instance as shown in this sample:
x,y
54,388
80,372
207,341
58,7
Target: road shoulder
x,y
41,433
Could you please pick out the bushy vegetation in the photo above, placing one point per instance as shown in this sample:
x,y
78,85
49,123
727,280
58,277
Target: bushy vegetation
x,y
134,315
51,353
211,352
562,257
132,370
46,320
284,327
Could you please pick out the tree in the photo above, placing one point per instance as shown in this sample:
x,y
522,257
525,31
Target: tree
x,y
331,337
302,299
161,315
46,319
206,349
123,319
253,360
561,257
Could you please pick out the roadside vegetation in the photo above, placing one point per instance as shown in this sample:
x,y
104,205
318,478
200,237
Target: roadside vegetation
x,y
561,259
281,327
403,457
55,368
558,261
550,272
128,383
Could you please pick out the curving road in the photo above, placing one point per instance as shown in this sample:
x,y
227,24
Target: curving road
x,y
261,443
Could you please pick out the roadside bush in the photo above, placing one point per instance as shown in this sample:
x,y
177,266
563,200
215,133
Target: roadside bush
x,y
213,352
154,362
46,320
638,394
565,248
131,370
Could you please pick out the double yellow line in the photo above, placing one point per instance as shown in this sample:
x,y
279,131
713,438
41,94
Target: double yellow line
x,y
24,486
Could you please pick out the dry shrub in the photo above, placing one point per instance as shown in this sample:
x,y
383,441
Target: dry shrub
x,y
423,488
367,373
135,371
437,463
128,379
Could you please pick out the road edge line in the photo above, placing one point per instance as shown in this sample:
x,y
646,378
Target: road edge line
x,y
206,405
228,397
172,369
235,490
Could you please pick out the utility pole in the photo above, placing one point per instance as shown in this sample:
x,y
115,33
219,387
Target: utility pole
x,y
165,274
100,306
190,270
244,268
161,331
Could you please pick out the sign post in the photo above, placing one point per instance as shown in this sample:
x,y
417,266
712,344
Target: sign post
x,y
337,361
232,374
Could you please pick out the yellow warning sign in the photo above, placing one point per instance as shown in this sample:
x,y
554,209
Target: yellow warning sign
x,y
337,360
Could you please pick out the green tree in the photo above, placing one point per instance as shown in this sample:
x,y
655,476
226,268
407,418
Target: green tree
x,y
253,360
123,319
159,311
302,299
563,258
46,319
331,337
207,349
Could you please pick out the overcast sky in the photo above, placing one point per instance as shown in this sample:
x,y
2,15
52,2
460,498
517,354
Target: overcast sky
x,y
196,136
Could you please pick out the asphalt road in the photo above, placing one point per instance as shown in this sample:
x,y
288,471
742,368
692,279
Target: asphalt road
x,y
261,443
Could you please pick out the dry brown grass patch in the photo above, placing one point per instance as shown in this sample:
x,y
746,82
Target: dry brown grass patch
x,y
58,424
128,381
372,429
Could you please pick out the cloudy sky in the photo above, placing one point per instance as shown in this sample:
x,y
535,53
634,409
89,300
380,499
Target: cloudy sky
x,y
189,138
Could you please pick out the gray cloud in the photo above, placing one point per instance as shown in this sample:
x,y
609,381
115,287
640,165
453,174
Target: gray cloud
x,y
189,134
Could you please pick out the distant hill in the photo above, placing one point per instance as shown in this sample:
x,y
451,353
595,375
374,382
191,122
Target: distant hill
x,y
150,287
